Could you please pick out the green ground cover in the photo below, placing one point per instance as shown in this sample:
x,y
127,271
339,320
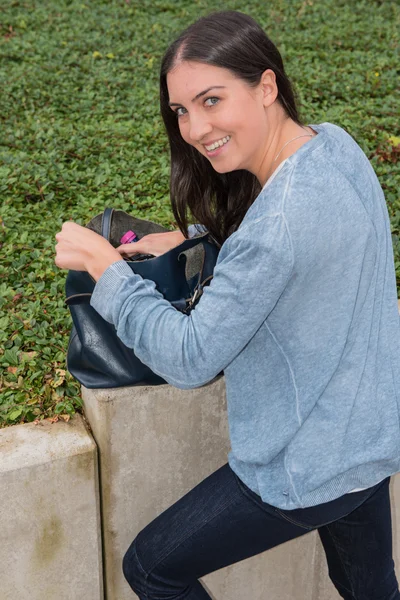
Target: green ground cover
x,y
80,130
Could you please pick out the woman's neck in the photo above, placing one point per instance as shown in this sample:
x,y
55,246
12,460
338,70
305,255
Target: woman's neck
x,y
285,139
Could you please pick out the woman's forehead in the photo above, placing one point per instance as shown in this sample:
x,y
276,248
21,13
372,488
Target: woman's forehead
x,y
187,77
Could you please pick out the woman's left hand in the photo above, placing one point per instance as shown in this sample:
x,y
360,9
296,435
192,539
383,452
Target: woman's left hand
x,y
81,249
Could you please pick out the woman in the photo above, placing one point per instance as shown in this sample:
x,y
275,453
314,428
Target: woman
x,y
301,315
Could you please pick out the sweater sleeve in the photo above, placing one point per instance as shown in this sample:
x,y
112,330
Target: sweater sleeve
x,y
188,351
197,229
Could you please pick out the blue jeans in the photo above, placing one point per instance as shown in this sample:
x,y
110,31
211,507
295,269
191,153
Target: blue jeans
x,y
221,521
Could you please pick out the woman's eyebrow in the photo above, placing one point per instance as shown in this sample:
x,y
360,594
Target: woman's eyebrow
x,y
213,87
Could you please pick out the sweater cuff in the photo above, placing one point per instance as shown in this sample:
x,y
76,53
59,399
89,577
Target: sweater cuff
x,y
195,230
107,287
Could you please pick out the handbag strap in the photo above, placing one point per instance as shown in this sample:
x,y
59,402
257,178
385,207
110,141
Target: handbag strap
x,y
106,223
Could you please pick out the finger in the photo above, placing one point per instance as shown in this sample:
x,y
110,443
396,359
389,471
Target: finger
x,y
58,259
70,223
130,249
60,235
63,239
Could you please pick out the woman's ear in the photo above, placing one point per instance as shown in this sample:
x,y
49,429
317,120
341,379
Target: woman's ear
x,y
268,87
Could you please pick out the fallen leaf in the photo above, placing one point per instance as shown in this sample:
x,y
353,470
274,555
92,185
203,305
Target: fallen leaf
x,y
10,384
52,419
65,418
28,355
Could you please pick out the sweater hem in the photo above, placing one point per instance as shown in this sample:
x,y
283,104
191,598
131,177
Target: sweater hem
x,y
259,480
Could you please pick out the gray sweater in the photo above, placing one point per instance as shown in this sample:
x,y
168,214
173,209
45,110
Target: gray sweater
x,y
302,317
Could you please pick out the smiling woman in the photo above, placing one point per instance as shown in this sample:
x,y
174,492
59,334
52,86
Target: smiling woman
x,y
220,77
301,315
241,128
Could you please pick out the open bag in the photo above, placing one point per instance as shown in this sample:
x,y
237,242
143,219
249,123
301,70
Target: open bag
x,y
96,357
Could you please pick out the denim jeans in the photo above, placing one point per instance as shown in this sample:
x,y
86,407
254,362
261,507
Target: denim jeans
x,y
221,521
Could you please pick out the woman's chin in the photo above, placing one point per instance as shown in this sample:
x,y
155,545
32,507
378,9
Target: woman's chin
x,y
223,167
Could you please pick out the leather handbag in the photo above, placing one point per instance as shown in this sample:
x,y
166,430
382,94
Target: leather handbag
x,y
96,357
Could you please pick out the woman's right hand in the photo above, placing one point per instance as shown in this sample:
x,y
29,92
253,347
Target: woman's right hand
x,y
153,243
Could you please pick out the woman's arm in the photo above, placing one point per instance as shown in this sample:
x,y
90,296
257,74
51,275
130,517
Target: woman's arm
x,y
253,268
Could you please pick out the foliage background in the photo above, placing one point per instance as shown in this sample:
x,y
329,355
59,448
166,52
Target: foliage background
x,y
80,130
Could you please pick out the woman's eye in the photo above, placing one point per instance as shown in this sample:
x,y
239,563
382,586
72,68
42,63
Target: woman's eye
x,y
180,111
211,101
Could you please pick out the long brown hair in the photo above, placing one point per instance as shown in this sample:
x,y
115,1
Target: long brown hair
x,y
234,41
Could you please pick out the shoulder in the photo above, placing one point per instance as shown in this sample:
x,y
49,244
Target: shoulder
x,y
326,175
334,146
330,159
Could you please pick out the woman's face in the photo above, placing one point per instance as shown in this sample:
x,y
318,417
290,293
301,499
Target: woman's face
x,y
220,115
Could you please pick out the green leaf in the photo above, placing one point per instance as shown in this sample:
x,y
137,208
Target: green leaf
x,y
10,357
15,413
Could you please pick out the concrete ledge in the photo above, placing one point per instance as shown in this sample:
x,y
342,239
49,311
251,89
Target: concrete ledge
x,y
50,541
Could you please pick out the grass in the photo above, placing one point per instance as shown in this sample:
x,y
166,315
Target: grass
x,y
80,130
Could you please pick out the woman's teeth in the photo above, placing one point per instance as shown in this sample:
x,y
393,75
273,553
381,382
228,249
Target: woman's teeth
x,y
216,145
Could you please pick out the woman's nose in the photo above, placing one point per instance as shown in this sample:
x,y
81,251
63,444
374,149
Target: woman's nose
x,y
199,128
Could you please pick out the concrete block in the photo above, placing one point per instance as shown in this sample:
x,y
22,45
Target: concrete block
x,y
282,573
155,444
50,540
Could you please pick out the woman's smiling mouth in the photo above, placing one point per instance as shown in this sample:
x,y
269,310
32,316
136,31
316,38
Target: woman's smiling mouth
x,y
218,144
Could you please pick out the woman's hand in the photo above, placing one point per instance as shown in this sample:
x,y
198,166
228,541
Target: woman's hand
x,y
153,243
81,249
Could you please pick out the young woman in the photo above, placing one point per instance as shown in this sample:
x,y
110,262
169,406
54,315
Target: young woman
x,y
301,315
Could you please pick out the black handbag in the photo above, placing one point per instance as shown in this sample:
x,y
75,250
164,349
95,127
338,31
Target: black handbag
x,y
96,357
